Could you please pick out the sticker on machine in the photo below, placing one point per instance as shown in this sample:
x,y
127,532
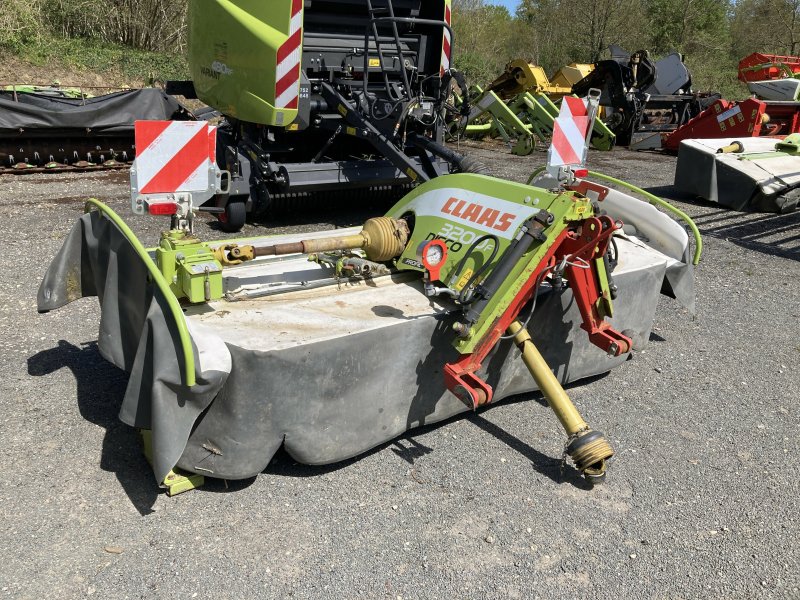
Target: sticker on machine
x,y
478,211
413,263
731,112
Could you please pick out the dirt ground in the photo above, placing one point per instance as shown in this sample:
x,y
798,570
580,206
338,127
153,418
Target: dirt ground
x,y
15,71
701,500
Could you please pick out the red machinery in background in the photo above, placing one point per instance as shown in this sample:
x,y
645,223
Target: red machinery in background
x,y
748,118
760,67
771,74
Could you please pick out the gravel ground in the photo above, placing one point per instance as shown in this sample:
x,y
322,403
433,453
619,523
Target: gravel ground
x,y
701,501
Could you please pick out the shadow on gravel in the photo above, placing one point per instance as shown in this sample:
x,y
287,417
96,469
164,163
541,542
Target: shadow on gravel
x,y
768,233
224,486
670,192
546,465
100,389
410,449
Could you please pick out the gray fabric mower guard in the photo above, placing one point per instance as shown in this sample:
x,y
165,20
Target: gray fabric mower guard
x,y
324,402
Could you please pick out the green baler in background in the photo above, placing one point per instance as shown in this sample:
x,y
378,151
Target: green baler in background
x,y
322,95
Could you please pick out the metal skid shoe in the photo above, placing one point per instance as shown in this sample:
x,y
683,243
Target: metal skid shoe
x,y
177,481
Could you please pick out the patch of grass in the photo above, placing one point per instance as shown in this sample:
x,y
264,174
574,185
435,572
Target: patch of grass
x,y
96,56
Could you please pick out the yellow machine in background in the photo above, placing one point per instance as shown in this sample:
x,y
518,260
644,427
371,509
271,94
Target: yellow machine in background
x,y
520,106
521,76
569,75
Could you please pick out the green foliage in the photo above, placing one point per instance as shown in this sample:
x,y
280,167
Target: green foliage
x,y
688,25
771,26
141,24
19,23
141,40
482,36
713,35
142,66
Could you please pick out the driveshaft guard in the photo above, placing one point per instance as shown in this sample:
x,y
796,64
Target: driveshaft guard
x,y
462,209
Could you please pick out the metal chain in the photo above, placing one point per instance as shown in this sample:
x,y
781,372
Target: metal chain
x,y
564,455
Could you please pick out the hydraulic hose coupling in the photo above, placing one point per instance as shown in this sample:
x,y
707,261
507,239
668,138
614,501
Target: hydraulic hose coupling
x,y
589,451
734,147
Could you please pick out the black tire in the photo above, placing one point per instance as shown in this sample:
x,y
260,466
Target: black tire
x,y
472,165
234,217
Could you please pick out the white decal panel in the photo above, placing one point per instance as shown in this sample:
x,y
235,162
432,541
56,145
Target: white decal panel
x,y
474,210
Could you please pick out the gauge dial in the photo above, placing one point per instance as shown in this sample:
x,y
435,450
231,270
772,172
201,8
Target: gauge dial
x,y
434,254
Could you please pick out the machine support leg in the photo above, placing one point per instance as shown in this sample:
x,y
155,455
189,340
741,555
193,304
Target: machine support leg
x,y
588,449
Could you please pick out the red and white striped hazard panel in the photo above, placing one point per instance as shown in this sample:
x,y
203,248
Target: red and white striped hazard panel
x,y
287,72
174,156
446,40
568,146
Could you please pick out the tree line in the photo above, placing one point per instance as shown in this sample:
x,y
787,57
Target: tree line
x,y
158,25
712,34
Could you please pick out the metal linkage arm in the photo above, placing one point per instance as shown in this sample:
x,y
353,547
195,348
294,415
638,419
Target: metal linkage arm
x,y
365,129
578,253
586,272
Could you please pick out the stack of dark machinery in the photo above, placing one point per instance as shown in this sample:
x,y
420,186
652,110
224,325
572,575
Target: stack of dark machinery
x,y
49,130
642,98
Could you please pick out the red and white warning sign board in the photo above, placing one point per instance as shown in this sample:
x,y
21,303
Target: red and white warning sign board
x,y
174,156
570,129
287,71
446,41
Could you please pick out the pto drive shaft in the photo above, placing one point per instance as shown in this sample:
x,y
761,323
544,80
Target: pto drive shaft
x,y
381,239
588,449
